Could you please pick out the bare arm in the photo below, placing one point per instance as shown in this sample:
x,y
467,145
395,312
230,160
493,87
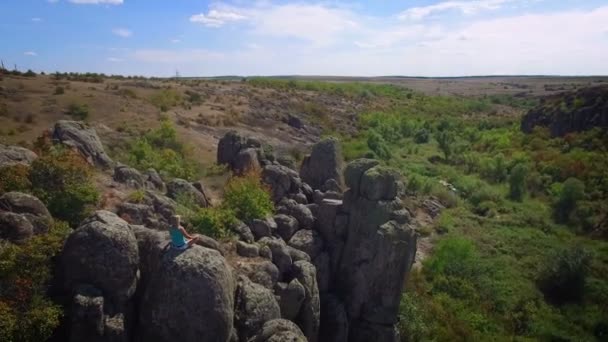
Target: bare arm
x,y
183,230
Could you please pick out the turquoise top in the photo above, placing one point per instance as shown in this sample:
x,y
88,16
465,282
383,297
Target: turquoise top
x,y
177,237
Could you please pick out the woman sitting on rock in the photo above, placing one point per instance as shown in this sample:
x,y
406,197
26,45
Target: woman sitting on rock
x,y
180,239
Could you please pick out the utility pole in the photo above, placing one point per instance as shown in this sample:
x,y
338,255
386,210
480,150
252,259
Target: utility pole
x,y
176,74
2,63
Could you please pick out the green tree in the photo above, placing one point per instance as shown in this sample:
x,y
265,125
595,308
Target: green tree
x,y
446,140
563,277
248,198
378,145
62,179
517,182
572,191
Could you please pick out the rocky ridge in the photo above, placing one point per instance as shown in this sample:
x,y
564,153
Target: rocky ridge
x,y
329,266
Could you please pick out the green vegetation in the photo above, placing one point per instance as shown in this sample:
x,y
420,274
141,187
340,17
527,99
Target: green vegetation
x,y
517,231
245,199
60,178
166,99
160,149
350,89
248,197
78,111
26,313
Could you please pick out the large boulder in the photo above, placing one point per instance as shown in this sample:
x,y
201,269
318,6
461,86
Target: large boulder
x,y
263,228
290,296
255,305
11,155
84,138
281,180
280,253
323,164
28,206
15,228
102,252
260,271
228,148
129,176
154,181
246,160
308,241
309,317
178,188
300,212
279,330
286,226
188,297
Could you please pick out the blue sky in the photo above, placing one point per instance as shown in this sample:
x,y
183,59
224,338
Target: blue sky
x,y
237,37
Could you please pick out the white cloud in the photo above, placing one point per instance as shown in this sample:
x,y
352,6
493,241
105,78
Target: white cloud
x,y
96,2
36,20
122,32
315,23
52,1
216,18
351,44
175,41
465,7
30,53
114,59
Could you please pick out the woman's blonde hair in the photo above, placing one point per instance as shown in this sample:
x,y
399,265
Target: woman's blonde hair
x,y
175,220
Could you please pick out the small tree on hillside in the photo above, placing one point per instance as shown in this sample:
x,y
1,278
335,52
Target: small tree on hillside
x,y
517,182
446,143
572,192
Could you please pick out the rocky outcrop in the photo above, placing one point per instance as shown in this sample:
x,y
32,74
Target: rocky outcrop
x,y
255,305
324,163
241,153
279,330
15,228
189,296
102,252
79,135
129,176
181,188
332,270
11,155
29,208
570,112
377,254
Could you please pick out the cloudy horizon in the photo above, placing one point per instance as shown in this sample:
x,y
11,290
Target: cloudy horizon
x,y
363,38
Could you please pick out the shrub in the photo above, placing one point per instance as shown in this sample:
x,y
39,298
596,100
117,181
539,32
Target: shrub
x,y
563,277
572,191
26,314
213,222
421,136
376,143
14,178
446,141
166,99
453,256
248,198
161,150
78,111
59,90
484,193
62,179
517,182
